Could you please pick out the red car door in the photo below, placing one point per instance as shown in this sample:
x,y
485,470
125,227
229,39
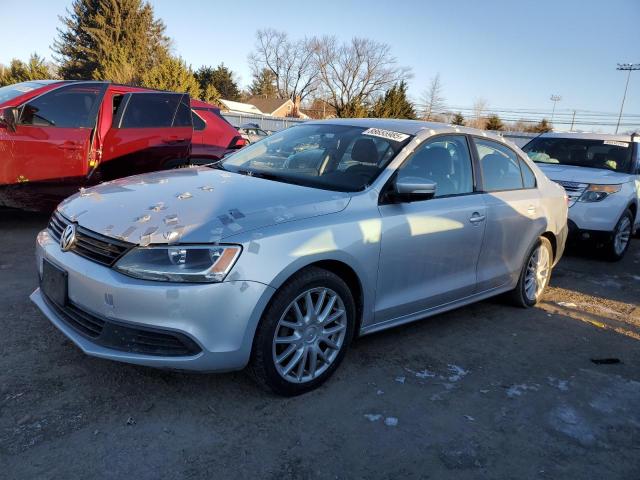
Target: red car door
x,y
53,135
150,131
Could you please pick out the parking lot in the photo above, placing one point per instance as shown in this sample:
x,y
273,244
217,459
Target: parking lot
x,y
487,391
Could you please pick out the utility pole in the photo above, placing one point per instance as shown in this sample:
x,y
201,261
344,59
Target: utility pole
x,y
555,99
629,67
573,119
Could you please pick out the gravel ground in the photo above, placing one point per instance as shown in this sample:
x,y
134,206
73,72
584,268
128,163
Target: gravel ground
x,y
487,391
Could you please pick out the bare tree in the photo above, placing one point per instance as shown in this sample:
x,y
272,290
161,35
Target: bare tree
x,y
479,107
353,73
432,99
291,62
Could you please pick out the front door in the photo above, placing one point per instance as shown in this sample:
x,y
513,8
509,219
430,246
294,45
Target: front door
x,y
53,135
430,248
150,131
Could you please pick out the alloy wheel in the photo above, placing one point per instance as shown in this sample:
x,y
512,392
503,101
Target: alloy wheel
x,y
537,274
622,235
309,335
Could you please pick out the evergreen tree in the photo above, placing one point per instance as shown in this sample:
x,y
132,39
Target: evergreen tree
x,y
221,79
18,71
494,123
264,84
172,73
394,104
543,127
210,95
458,119
120,39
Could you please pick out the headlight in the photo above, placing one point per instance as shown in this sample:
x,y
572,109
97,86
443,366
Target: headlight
x,y
596,193
180,263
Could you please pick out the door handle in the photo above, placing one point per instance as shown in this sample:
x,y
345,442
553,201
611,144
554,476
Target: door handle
x,y
69,145
171,140
531,209
477,218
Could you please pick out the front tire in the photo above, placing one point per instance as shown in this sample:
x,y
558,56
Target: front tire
x,y
535,275
304,333
618,244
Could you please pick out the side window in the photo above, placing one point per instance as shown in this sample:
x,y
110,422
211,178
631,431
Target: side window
x,y
75,106
528,177
500,166
182,117
148,110
198,123
444,161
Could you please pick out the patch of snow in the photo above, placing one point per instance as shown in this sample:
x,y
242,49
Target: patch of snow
x,y
567,304
372,417
425,374
456,373
391,421
518,390
400,379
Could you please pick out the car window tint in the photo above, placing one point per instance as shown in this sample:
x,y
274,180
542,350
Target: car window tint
x,y
528,177
67,107
145,110
500,166
198,123
182,117
444,161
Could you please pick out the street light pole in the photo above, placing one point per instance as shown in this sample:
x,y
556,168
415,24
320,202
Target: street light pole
x,y
555,99
629,67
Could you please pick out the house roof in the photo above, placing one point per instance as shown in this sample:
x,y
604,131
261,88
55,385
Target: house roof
x,y
268,105
241,107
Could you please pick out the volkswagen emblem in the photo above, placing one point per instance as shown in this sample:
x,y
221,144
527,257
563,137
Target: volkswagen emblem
x,y
68,238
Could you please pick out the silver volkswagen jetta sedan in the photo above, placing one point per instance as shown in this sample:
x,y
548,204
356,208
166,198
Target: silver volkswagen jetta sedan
x,y
279,255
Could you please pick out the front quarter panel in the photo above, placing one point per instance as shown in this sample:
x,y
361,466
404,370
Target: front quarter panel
x,y
274,254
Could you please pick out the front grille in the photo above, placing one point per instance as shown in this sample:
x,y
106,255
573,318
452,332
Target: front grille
x,y
574,189
120,336
91,245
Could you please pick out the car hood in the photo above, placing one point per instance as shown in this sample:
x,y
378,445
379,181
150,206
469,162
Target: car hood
x,y
572,173
194,205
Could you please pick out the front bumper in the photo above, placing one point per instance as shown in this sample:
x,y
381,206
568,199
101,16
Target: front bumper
x,y
219,318
597,216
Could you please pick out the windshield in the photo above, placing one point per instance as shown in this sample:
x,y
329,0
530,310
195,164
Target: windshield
x,y
12,91
606,154
331,157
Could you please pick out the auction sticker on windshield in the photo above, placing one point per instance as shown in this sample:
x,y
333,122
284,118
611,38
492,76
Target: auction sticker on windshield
x,y
388,134
616,144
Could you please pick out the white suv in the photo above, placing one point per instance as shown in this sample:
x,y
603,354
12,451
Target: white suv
x,y
601,175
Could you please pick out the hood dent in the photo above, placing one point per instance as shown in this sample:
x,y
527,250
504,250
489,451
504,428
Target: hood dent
x,y
194,205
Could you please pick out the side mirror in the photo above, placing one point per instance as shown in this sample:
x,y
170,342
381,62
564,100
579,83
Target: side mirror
x,y
413,191
9,118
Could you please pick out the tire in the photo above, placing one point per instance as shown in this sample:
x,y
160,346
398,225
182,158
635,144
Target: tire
x,y
616,247
524,295
302,336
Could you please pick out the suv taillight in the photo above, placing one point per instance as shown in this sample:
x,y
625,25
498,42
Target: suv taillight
x,y
238,142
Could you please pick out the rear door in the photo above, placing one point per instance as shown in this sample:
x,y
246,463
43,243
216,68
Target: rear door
x,y
514,217
53,135
150,131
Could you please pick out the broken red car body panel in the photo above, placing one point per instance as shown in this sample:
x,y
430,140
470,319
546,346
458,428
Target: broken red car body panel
x,y
74,134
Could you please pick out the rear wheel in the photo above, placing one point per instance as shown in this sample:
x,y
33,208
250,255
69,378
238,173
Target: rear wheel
x,y
304,333
535,275
620,239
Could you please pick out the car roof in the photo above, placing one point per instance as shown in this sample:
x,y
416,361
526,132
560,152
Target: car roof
x,y
591,136
409,127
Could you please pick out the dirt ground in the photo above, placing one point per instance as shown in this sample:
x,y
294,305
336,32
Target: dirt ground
x,y
487,391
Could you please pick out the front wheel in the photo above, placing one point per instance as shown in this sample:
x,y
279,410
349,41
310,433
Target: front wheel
x,y
535,275
304,333
620,239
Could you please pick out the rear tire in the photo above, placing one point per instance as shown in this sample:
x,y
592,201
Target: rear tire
x,y
618,244
535,275
304,333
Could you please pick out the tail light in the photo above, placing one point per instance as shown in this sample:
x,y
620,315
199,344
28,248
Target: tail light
x,y
238,142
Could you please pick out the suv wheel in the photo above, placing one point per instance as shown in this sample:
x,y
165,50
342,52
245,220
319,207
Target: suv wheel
x,y
620,239
535,275
304,333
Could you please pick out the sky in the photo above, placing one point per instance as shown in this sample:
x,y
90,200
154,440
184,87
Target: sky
x,y
513,54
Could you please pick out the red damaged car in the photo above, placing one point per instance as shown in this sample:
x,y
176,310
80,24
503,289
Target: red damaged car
x,y
57,136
